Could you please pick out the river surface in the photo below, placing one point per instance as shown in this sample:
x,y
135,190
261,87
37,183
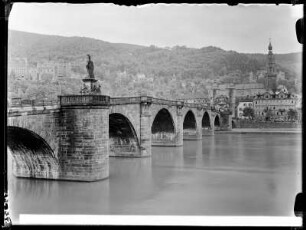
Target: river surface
x,y
225,174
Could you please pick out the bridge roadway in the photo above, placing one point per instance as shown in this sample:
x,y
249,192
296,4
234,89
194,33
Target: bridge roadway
x,y
72,138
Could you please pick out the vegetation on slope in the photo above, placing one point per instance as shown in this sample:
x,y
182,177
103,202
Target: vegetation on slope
x,y
127,70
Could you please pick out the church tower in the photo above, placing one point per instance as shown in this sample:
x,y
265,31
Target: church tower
x,y
270,78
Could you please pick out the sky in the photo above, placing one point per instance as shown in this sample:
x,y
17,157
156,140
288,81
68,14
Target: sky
x,y
242,28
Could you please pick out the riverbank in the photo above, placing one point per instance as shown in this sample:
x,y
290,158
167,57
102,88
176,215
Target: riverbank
x,y
264,130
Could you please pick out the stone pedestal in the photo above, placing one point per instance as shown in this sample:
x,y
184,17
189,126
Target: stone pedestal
x,y
90,86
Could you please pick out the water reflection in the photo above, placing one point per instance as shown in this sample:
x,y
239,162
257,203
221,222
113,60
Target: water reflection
x,y
241,174
192,153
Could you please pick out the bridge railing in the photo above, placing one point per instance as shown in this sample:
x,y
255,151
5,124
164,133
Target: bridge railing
x,y
30,103
124,100
163,101
196,102
79,99
91,99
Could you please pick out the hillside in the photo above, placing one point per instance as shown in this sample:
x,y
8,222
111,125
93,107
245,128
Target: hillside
x,y
126,69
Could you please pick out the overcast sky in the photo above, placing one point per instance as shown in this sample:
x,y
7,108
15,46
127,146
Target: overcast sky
x,y
243,28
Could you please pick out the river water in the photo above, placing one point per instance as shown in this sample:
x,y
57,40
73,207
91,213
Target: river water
x,y
225,174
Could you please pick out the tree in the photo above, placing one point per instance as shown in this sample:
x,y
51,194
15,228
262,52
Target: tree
x,y
292,114
248,112
269,114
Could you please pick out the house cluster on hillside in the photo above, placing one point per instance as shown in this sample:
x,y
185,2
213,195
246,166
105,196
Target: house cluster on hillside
x,y
268,100
20,68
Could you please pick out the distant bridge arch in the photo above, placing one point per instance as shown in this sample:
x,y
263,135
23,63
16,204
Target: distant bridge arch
x,y
190,125
189,120
206,121
217,122
163,127
234,124
163,122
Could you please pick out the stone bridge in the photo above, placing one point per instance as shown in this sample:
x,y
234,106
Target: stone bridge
x,y
73,138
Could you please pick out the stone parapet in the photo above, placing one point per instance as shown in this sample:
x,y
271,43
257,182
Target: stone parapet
x,y
84,100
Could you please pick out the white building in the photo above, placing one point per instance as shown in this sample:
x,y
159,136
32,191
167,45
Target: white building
x,y
278,103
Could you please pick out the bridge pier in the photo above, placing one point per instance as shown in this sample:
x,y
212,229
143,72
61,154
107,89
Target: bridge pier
x,y
179,127
84,137
145,128
226,122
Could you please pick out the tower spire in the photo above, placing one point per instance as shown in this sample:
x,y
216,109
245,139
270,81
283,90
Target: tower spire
x,y
271,73
270,45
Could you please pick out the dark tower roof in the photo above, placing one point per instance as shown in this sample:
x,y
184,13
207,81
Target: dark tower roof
x,y
270,46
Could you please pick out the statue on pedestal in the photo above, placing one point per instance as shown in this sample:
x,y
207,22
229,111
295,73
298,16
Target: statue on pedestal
x,y
90,83
90,67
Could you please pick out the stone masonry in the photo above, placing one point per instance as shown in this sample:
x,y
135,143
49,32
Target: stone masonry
x,y
74,134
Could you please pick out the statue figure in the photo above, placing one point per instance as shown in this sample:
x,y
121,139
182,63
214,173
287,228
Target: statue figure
x,y
90,67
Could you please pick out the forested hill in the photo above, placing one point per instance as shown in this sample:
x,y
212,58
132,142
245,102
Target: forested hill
x,y
169,72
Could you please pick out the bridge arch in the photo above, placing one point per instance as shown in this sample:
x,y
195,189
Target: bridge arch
x,y
189,123
163,128
122,136
234,125
217,122
206,121
163,122
32,155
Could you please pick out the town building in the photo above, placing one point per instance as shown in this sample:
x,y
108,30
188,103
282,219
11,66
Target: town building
x,y
247,90
275,102
18,68
46,71
53,70
299,108
62,69
274,105
33,73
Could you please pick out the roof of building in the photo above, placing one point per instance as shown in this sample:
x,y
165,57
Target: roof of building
x,y
279,94
246,100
